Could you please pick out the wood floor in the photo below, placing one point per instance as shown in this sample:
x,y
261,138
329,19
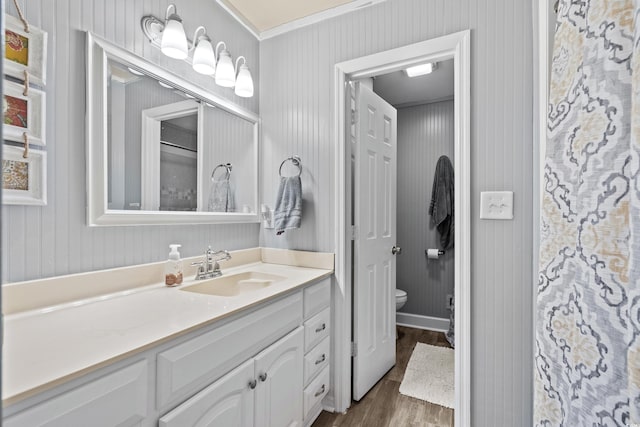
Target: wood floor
x,y
384,406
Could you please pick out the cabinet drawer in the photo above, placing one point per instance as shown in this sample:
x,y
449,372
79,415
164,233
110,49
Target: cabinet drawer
x,y
316,391
316,359
118,398
190,366
317,297
317,328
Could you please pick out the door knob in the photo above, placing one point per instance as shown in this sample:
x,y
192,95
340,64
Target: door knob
x,y
396,250
253,384
263,377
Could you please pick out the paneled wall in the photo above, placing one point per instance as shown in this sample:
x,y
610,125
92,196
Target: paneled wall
x,y
53,240
230,139
296,106
425,133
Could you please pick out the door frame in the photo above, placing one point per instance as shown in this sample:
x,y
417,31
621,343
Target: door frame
x,y
458,47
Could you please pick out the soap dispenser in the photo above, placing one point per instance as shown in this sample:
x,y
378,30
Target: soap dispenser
x,y
173,268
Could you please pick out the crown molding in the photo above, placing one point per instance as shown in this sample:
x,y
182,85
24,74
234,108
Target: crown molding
x,y
298,23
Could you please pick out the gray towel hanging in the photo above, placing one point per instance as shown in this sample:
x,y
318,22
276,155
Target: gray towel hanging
x,y
442,203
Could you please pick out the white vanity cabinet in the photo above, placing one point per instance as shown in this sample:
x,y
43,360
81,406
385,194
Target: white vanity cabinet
x,y
230,401
317,347
265,391
191,365
118,398
265,366
279,389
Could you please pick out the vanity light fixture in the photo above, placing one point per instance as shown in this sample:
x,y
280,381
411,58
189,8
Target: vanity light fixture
x,y
170,37
421,70
174,41
225,74
244,82
204,61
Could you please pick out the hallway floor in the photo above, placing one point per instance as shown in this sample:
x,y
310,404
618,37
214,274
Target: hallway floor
x,y
384,406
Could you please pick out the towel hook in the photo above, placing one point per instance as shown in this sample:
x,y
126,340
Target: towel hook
x,y
293,159
227,166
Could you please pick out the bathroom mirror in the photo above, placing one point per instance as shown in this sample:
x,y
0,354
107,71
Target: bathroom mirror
x,y
161,150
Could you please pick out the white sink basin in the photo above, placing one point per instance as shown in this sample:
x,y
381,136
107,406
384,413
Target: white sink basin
x,y
235,284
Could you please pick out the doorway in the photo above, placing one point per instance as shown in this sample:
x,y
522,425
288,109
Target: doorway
x,y
457,47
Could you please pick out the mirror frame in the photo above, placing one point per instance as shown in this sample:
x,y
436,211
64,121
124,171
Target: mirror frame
x,y
98,213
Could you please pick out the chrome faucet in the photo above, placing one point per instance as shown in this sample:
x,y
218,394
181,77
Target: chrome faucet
x,y
209,267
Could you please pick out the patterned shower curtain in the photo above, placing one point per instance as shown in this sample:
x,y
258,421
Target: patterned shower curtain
x,y
587,354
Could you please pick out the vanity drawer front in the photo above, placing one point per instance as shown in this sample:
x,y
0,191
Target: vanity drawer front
x,y
118,398
316,359
317,328
190,366
317,297
315,391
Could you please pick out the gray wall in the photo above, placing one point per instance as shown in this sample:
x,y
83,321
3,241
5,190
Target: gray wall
x,y
53,240
296,106
425,133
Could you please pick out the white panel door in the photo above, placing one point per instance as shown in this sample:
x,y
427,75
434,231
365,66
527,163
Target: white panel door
x,y
279,370
375,175
227,402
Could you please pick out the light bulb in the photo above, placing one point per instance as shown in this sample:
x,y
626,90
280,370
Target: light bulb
x,y
204,61
244,82
174,41
225,74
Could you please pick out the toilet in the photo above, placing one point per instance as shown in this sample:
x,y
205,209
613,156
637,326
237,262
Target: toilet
x,y
401,298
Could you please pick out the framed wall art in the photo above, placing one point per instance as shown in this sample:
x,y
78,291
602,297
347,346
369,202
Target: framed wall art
x,y
23,113
25,51
24,181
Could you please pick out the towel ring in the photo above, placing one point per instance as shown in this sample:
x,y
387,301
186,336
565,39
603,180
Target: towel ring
x,y
293,159
227,166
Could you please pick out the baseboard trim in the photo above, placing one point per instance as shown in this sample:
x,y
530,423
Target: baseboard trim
x,y
422,322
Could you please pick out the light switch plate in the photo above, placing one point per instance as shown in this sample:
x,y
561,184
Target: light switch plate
x,y
496,205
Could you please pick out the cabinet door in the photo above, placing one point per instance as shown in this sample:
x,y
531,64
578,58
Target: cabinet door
x,y
227,402
116,399
280,374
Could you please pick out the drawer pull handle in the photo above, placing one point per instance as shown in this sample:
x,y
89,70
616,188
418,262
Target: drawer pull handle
x,y
321,328
263,377
319,392
253,384
322,359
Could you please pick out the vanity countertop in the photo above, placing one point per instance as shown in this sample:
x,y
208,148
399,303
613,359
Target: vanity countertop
x,y
45,347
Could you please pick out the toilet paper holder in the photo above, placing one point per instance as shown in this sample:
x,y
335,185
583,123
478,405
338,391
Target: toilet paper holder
x,y
440,252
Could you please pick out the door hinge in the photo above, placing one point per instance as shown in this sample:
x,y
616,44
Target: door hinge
x,y
354,232
354,349
354,117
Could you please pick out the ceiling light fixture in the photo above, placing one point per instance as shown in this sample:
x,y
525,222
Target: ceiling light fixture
x,y
174,41
421,70
244,82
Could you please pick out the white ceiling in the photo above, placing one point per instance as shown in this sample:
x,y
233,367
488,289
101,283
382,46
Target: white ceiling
x,y
264,15
402,91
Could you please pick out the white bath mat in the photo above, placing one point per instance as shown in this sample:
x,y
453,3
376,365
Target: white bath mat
x,y
430,375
